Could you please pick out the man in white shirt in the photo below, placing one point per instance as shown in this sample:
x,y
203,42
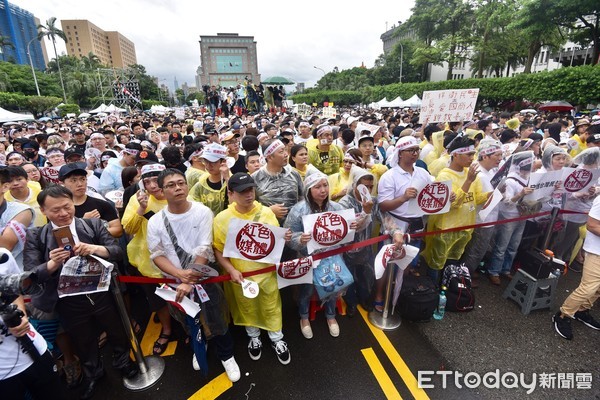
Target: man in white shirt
x,y
174,253
580,301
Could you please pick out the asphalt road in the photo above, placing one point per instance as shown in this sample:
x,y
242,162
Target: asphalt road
x,y
367,363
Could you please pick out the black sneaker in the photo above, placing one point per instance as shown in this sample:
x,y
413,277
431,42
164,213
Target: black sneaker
x,y
587,319
562,326
255,348
281,349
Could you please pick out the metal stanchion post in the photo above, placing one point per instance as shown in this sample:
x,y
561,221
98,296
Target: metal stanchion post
x,y
151,367
386,320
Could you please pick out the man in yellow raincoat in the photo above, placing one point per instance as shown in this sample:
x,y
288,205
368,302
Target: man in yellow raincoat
x,y
263,311
467,192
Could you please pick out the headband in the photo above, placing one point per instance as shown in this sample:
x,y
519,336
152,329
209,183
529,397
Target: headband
x,y
323,129
463,150
273,147
312,179
489,150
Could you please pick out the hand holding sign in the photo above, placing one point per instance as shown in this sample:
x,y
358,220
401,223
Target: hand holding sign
x,y
432,199
189,276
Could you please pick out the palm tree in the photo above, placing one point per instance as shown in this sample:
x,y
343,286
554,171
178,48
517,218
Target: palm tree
x,y
5,42
91,61
51,32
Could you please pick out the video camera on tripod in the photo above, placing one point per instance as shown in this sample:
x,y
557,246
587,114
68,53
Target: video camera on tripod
x,y
11,287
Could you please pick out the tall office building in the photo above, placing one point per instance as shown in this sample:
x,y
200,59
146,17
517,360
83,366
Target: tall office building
x,y
112,48
227,60
20,26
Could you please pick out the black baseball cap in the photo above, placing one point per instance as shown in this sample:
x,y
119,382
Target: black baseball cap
x,y
71,168
73,151
145,157
240,181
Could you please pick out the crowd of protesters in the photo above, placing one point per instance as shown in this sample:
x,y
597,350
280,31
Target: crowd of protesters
x,y
160,191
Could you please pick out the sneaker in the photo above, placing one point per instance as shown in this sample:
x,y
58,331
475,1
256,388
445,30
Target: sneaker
x,y
195,364
255,348
281,349
231,369
587,319
562,326
73,374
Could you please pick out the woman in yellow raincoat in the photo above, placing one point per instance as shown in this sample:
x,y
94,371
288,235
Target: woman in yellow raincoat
x,y
263,311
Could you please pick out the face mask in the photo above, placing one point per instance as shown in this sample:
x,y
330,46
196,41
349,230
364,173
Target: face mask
x,y
324,141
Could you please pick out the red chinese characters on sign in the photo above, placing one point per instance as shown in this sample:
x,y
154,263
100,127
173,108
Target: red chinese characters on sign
x,y
392,254
294,269
577,180
329,229
255,241
433,197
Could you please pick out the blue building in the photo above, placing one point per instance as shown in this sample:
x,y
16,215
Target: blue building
x,y
20,27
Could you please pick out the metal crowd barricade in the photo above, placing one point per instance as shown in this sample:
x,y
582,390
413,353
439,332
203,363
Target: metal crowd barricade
x,y
151,367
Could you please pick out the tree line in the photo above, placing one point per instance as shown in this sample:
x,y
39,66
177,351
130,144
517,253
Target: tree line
x,y
493,36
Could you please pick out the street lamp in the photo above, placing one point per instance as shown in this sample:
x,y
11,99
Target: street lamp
x,y
37,88
401,59
323,71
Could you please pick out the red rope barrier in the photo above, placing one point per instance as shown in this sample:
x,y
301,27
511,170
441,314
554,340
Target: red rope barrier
x,y
343,249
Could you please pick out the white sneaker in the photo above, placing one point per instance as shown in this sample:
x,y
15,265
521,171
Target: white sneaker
x,y
231,369
195,364
306,330
334,328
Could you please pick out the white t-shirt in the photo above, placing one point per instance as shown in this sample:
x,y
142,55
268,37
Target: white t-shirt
x,y
393,184
592,241
192,228
12,359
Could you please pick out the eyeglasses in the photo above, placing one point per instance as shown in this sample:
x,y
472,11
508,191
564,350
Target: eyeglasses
x,y
413,151
172,185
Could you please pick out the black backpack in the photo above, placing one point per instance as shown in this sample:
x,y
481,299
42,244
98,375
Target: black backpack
x,y
418,298
459,294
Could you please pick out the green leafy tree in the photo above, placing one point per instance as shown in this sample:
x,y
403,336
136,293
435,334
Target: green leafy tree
x,y
534,29
38,105
581,19
51,31
443,24
4,44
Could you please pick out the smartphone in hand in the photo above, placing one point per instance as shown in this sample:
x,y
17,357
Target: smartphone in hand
x,y
64,238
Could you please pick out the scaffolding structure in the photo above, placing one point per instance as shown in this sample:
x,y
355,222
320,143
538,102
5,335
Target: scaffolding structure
x,y
119,86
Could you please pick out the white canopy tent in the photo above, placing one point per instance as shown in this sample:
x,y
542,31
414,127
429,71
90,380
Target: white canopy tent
x,y
112,108
396,102
413,102
8,116
383,102
159,109
101,108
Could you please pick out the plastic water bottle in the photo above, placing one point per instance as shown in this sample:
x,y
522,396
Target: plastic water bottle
x,y
439,311
556,273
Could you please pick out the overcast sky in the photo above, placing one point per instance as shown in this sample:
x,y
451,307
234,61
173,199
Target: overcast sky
x,y
292,37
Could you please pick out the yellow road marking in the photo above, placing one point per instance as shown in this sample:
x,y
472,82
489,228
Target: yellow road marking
x,y
213,389
151,333
397,361
382,377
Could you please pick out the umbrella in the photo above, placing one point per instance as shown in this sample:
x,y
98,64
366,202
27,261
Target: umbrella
x,y
278,80
44,119
528,110
556,106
